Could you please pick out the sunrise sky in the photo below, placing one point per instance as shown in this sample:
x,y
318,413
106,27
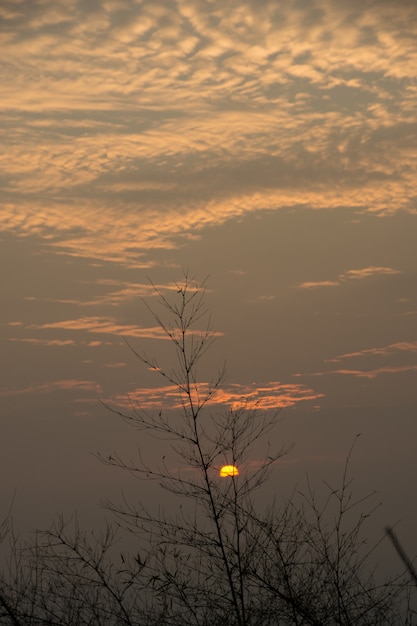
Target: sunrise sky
x,y
268,145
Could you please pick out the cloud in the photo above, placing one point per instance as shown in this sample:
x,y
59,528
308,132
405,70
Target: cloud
x,y
272,395
364,272
375,372
318,283
115,365
130,291
109,326
129,127
50,387
104,325
401,346
125,291
36,341
44,342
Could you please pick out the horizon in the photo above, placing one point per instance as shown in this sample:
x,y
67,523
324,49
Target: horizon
x,y
268,149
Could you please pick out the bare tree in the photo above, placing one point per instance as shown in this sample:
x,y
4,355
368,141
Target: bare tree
x,y
199,557
214,557
221,561
7,607
65,576
401,553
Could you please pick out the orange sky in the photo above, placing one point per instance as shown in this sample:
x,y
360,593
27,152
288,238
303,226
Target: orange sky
x,y
271,146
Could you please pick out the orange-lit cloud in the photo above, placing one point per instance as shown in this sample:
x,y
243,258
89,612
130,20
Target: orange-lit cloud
x,y
318,283
108,326
115,365
149,123
129,291
364,272
58,385
104,325
44,342
273,395
401,346
125,291
376,372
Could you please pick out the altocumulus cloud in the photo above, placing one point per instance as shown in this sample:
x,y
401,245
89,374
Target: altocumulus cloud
x,y
129,127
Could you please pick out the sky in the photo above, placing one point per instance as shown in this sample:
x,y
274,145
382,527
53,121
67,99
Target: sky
x,y
268,146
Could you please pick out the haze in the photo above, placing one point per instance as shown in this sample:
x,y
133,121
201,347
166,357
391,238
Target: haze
x,y
268,145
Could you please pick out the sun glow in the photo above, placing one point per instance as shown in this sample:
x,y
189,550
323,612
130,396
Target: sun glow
x,y
229,470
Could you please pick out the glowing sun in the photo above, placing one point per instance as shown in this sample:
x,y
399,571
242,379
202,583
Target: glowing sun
x,y
229,470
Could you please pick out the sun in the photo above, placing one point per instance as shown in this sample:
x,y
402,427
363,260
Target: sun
x,y
229,470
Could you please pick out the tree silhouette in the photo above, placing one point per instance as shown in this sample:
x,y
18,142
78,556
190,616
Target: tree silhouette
x,y
215,557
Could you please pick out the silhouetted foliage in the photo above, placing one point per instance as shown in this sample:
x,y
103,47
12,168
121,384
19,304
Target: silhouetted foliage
x,y
216,559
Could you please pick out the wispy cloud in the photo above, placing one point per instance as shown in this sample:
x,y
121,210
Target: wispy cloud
x,y
273,395
165,118
384,351
318,283
115,292
115,365
36,341
44,342
49,387
109,326
354,274
104,325
367,272
374,372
